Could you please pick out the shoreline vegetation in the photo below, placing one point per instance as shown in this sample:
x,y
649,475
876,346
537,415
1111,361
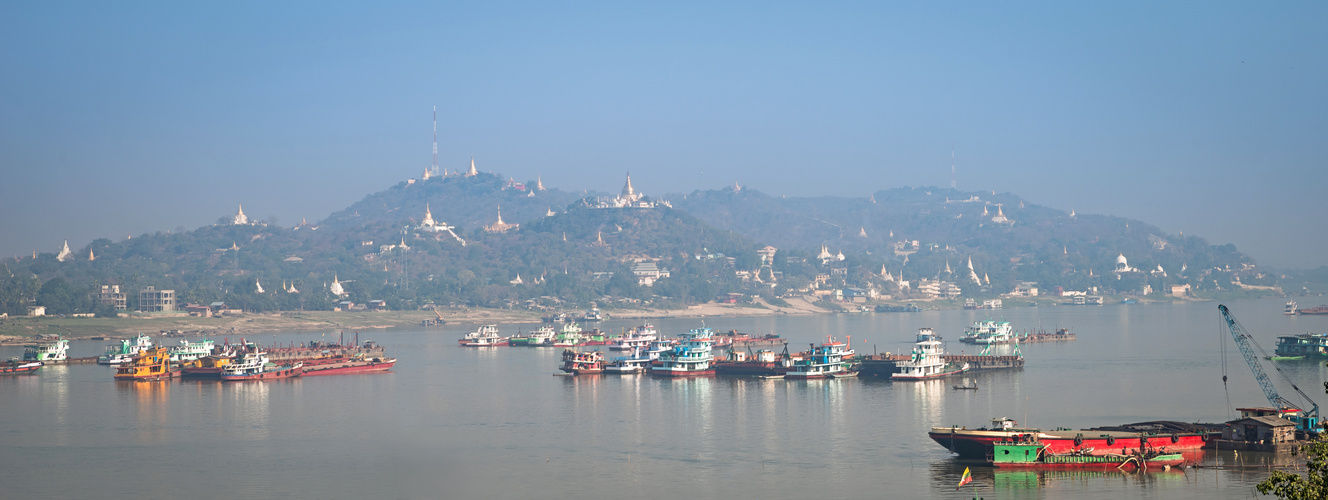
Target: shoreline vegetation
x,y
23,329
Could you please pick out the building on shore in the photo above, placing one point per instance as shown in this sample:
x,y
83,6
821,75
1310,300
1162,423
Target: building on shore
x,y
151,299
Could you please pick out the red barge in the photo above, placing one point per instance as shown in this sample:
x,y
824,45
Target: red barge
x,y
1173,436
344,366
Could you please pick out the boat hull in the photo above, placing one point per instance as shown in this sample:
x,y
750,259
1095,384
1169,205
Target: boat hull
x,y
288,372
169,374
347,368
749,368
682,373
976,444
20,369
1094,462
947,373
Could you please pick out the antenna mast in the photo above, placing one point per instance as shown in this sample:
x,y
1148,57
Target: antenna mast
x,y
953,181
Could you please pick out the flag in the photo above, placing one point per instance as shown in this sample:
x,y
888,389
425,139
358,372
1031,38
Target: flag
x,y
967,478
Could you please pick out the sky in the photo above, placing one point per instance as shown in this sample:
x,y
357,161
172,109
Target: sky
x,y
121,118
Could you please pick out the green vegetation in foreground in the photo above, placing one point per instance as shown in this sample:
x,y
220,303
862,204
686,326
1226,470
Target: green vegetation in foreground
x,y
1313,485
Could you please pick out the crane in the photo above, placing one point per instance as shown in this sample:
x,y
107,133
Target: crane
x,y
1305,420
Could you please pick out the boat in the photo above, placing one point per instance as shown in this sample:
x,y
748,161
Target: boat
x,y
153,363
569,336
637,362
966,387
591,315
582,363
347,365
189,351
541,337
518,340
1290,309
1303,346
555,318
988,332
254,365
759,363
977,443
825,360
125,351
17,367
484,336
207,366
1027,451
1323,309
640,336
691,357
925,361
45,352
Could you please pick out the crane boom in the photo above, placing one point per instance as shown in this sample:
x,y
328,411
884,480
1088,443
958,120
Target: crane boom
x,y
1244,341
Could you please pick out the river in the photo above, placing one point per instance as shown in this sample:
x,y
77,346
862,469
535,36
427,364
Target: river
x,y
454,422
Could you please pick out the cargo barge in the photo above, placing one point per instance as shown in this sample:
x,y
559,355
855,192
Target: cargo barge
x,y
1168,435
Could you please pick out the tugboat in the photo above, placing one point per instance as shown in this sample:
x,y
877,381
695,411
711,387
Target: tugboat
x,y
640,336
637,362
926,362
57,350
485,336
988,332
826,360
16,367
582,363
255,366
188,351
125,351
691,357
1027,451
151,364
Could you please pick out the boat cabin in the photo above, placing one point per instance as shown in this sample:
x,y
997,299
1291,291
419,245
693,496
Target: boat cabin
x,y
1267,429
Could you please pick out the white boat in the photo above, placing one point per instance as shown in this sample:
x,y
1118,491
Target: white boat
x,y
484,336
544,336
926,362
637,362
57,350
1290,308
691,357
640,336
826,360
125,351
988,332
189,351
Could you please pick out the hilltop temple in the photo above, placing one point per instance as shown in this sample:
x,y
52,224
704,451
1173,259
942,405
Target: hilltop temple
x,y
629,198
499,226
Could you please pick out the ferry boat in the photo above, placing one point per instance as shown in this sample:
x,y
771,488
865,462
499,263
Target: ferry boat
x,y
977,443
637,362
16,367
1290,309
569,336
541,337
591,315
1027,451
640,336
348,365
56,350
926,362
189,351
485,336
988,332
582,363
254,365
823,361
761,363
153,363
691,357
1305,345
125,351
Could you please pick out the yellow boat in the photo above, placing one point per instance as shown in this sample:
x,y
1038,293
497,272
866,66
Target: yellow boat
x,y
150,364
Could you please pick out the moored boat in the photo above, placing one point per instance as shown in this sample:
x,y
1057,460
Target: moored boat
x,y
254,365
988,332
1305,345
150,364
637,362
582,363
207,366
1027,451
1322,309
1290,309
45,352
591,315
16,367
189,351
125,350
542,337
926,361
640,336
977,443
345,366
691,357
826,360
760,363
484,336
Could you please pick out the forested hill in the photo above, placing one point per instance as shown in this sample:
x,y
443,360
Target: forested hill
x,y
464,202
1035,243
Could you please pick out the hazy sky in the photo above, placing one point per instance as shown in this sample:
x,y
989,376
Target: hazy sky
x,y
1209,118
